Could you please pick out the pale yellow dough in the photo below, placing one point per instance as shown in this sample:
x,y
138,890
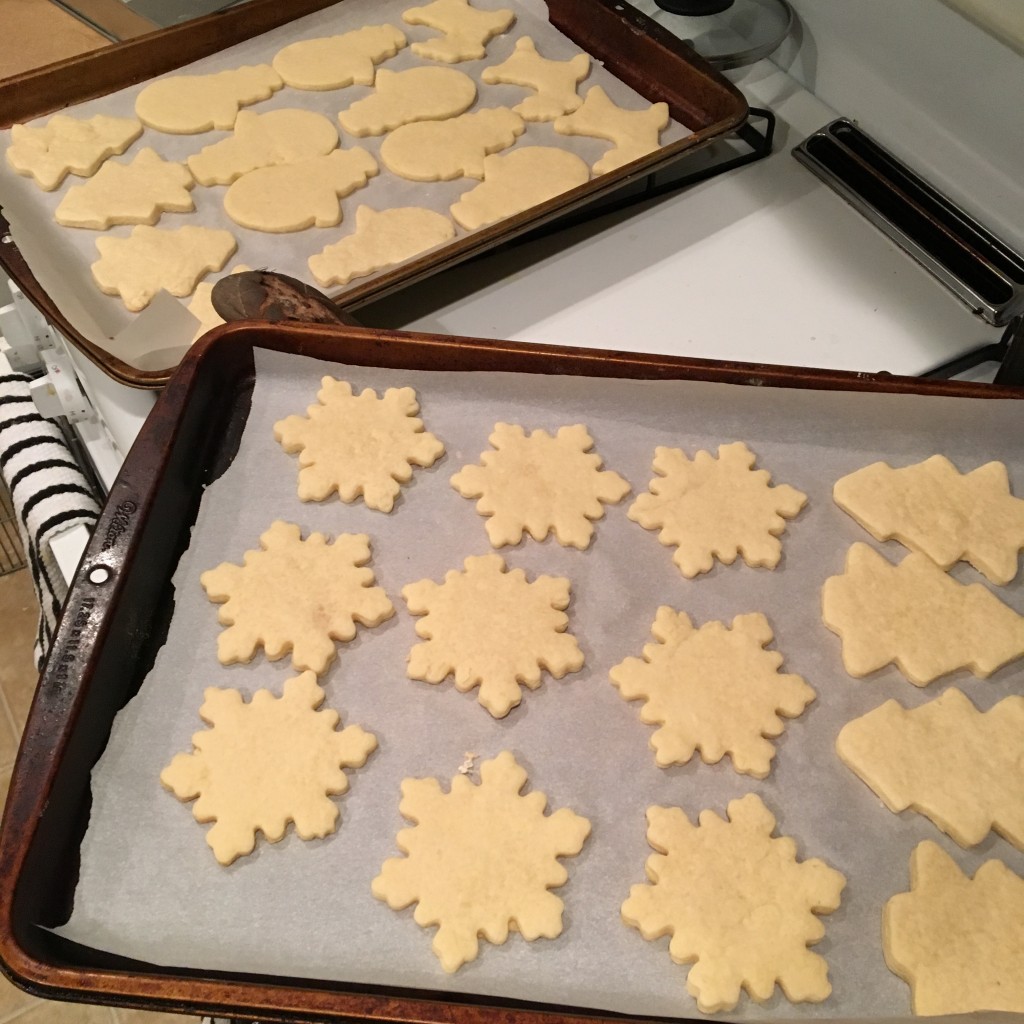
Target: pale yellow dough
x,y
301,195
151,259
188,104
480,860
554,81
65,145
381,239
401,97
334,62
264,140
201,306
517,181
465,30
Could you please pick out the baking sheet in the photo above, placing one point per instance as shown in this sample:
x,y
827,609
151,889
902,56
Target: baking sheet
x,y
304,909
61,257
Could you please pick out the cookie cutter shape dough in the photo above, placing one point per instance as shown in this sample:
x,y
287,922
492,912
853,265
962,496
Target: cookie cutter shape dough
x,y
634,133
358,444
264,140
401,97
189,104
567,487
465,30
443,150
716,508
333,62
297,196
149,259
554,81
917,616
712,689
264,764
489,627
138,192
947,515
201,306
458,857
957,941
737,903
66,145
381,239
958,766
295,595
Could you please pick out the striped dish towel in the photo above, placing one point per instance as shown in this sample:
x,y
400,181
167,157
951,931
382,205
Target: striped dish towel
x,y
49,491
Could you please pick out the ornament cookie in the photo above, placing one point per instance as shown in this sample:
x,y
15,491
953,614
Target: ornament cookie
x,y
458,857
738,904
712,689
295,595
401,97
334,62
716,508
917,616
381,239
567,491
947,515
66,145
264,764
149,259
634,133
489,627
465,30
443,150
958,766
958,942
189,104
201,305
301,195
554,81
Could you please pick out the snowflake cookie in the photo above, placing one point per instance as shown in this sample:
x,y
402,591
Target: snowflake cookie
x,y
480,860
716,508
712,689
540,484
358,444
489,627
263,764
738,904
295,595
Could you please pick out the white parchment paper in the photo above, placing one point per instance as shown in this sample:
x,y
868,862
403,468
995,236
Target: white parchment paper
x,y
151,889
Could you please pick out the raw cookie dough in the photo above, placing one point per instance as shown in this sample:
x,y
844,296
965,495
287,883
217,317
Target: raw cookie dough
x,y
381,239
957,941
459,854
358,444
516,181
149,259
554,81
947,515
567,485
465,30
138,192
401,97
947,760
201,306
738,904
443,150
712,689
295,595
489,627
635,133
917,616
264,764
301,195
264,140
334,62
65,145
716,508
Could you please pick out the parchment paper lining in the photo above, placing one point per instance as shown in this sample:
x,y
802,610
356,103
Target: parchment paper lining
x,y
305,909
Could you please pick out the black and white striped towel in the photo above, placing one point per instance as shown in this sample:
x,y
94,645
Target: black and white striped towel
x,y
50,492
